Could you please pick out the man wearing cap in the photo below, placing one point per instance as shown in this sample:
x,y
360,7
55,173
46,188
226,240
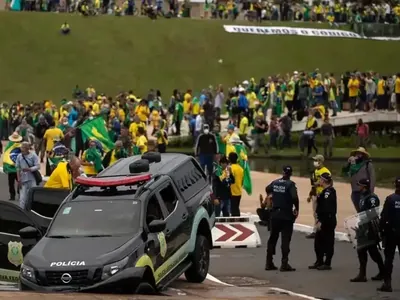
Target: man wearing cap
x,y
369,201
285,209
326,215
390,227
206,148
359,166
10,154
316,188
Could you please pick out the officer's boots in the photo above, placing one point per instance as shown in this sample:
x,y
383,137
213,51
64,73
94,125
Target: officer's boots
x,y
386,286
269,265
285,267
362,276
380,276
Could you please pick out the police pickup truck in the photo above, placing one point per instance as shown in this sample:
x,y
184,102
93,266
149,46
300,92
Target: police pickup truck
x,y
135,227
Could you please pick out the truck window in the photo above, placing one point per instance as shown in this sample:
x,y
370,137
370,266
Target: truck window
x,y
12,221
153,211
169,197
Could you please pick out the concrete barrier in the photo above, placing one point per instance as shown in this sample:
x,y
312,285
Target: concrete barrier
x,y
235,232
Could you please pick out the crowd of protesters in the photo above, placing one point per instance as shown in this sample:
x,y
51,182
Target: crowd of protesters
x,y
254,109
320,11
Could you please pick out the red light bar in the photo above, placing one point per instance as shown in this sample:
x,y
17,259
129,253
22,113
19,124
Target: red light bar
x,y
104,182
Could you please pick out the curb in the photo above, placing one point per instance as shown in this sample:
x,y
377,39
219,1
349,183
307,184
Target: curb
x,y
339,236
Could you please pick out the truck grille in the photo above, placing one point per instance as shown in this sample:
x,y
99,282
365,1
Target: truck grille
x,y
78,277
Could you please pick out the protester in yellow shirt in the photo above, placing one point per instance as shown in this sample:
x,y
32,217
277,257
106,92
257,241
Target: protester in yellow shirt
x,y
91,92
187,105
230,132
237,185
162,136
114,155
131,97
121,113
91,159
289,98
397,91
354,87
63,175
133,128
155,119
142,111
244,129
141,140
51,135
316,188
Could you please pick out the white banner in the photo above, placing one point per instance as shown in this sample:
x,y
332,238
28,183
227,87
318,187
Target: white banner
x,y
277,30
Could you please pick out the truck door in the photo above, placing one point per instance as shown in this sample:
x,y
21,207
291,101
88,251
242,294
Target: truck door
x,y
174,208
43,204
12,248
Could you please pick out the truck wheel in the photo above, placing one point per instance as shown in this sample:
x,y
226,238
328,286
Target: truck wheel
x,y
145,288
200,259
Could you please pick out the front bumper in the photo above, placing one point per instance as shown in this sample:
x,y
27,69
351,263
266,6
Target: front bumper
x,y
125,279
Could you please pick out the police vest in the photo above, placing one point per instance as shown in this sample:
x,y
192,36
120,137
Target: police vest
x,y
281,197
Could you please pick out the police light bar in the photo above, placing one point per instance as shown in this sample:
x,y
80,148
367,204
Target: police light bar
x,y
104,182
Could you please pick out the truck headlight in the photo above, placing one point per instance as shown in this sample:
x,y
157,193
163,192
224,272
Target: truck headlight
x,y
28,273
112,269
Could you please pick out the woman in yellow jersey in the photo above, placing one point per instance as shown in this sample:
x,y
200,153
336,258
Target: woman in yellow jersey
x,y
141,140
382,101
91,160
162,137
187,104
142,111
155,119
133,128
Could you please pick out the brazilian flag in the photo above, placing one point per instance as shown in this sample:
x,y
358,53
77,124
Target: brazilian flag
x,y
96,130
10,156
244,163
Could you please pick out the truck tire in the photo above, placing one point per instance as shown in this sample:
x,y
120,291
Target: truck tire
x,y
139,166
152,157
200,259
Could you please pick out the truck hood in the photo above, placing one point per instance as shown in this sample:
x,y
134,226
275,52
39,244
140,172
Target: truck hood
x,y
59,254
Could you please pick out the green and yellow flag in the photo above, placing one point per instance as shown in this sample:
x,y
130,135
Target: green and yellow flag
x,y
243,162
10,156
96,129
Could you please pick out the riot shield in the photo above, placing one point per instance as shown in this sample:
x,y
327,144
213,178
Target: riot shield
x,y
363,228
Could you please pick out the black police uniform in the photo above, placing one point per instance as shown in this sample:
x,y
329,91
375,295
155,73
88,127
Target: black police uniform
x,y
284,197
369,201
325,237
390,226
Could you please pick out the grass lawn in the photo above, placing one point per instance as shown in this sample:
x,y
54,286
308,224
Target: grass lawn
x,y
115,54
337,153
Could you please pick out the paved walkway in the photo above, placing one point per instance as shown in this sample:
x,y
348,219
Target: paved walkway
x,y
345,206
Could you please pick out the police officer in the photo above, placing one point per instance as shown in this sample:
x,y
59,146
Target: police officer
x,y
285,209
390,227
368,201
326,223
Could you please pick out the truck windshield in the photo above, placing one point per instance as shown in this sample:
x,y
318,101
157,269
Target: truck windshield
x,y
96,219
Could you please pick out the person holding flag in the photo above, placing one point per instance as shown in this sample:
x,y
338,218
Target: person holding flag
x,y
11,151
96,129
92,160
55,156
114,155
236,145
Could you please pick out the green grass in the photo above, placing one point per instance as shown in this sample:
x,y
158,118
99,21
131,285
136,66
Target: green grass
x,y
337,153
115,54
